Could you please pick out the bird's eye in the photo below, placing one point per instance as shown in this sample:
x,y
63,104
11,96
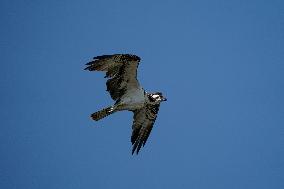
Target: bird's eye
x,y
152,99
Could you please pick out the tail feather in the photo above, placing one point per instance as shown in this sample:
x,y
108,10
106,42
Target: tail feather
x,y
102,113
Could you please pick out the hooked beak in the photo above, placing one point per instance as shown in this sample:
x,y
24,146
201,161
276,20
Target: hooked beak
x,y
164,99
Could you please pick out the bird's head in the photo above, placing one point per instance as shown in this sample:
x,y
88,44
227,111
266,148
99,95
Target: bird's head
x,y
156,98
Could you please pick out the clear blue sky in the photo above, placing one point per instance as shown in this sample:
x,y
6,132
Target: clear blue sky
x,y
220,64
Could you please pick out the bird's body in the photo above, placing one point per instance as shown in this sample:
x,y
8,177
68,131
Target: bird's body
x,y
133,99
124,88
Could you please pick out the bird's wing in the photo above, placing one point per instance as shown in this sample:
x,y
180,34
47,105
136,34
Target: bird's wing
x,y
121,69
143,122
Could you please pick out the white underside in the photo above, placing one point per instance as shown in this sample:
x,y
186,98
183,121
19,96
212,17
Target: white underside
x,y
133,99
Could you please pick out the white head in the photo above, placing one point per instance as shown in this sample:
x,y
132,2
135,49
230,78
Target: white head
x,y
156,98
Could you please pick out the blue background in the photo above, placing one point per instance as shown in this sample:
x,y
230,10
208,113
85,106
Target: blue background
x,y
220,64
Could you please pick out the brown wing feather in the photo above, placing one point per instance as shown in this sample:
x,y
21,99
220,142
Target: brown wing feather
x,y
121,69
144,119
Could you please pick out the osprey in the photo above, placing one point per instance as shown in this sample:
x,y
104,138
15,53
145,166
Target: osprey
x,y
124,88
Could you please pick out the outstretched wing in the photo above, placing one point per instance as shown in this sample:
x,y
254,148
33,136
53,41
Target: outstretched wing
x,y
143,122
121,69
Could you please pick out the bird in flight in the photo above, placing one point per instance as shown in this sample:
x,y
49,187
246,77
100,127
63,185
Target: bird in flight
x,y
128,94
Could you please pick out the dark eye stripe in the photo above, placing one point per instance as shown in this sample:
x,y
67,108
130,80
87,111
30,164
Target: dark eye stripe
x,y
151,99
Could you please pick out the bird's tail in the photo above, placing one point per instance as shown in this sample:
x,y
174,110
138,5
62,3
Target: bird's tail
x,y
102,113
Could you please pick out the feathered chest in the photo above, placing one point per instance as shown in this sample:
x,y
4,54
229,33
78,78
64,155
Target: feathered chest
x,y
133,99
